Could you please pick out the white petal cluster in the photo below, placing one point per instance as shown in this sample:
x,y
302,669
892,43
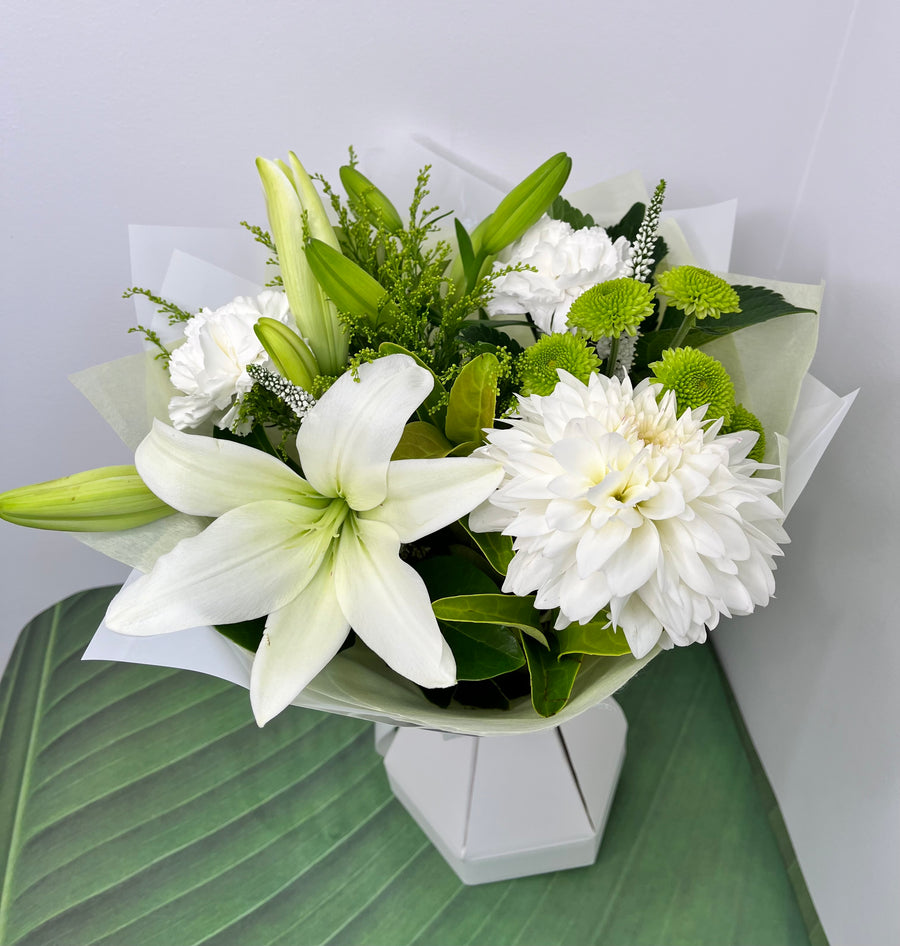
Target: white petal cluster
x,y
566,261
210,368
617,503
319,553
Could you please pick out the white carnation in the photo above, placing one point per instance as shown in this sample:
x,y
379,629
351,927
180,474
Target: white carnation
x,y
567,262
617,503
210,368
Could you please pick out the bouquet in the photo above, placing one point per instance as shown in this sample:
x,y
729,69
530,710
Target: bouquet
x,y
466,479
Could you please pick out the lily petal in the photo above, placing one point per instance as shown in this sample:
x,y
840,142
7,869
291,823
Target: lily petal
x,y
347,439
206,477
247,563
298,642
387,605
426,495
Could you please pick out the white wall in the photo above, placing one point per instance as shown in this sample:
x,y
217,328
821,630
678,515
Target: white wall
x,y
142,112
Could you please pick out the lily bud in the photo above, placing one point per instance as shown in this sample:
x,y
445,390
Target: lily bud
x,y
110,499
526,203
291,355
361,189
291,197
349,286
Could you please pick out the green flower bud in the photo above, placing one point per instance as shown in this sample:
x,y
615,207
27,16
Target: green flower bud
x,y
698,292
611,308
525,204
291,355
742,419
697,379
292,199
110,499
538,364
360,188
349,286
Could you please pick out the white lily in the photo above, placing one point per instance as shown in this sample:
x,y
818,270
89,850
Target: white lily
x,y
317,555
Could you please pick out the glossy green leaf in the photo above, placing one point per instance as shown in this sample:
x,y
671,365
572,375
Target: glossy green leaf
x,y
552,675
473,399
140,805
596,637
497,548
421,440
482,650
492,609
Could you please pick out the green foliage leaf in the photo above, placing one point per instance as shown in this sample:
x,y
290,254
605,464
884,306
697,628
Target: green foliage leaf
x,y
757,305
496,547
421,441
509,610
629,225
246,634
595,638
473,399
487,333
481,650
552,675
561,209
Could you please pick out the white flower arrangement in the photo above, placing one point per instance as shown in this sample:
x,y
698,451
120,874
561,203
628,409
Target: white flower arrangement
x,y
399,511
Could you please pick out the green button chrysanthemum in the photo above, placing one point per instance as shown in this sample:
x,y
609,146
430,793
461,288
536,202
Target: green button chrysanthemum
x,y
611,308
742,419
698,292
696,379
538,364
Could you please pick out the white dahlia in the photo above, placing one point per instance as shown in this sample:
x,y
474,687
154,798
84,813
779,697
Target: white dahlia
x,y
617,503
566,262
210,368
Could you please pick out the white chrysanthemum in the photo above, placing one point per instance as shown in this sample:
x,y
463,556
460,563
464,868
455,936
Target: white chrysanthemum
x,y
210,368
617,503
567,262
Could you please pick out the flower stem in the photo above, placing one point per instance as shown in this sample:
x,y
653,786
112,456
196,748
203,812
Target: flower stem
x,y
610,366
686,325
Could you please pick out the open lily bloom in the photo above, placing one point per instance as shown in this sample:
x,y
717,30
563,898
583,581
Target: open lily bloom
x,y
318,554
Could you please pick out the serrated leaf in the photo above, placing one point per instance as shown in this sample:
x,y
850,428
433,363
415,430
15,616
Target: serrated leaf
x,y
596,637
757,305
561,209
421,441
482,331
509,610
552,676
629,225
473,400
496,547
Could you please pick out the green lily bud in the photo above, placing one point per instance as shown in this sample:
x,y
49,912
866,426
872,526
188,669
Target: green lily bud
x,y
291,198
525,204
110,499
292,357
361,189
349,286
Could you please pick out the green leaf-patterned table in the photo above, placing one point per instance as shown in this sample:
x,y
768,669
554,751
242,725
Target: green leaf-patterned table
x,y
143,806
